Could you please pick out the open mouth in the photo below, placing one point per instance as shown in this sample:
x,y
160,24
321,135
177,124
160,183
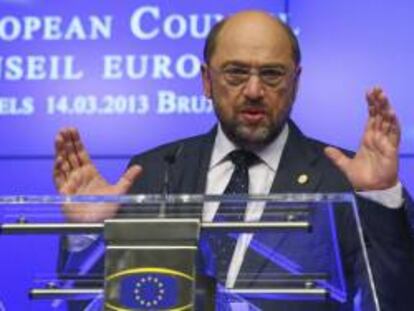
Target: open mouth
x,y
253,115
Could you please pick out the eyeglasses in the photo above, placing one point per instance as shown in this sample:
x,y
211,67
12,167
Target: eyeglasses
x,y
239,75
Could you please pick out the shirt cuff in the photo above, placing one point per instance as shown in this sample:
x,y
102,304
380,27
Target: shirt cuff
x,y
390,198
80,242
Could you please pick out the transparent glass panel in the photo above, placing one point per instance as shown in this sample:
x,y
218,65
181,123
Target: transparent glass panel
x,y
270,252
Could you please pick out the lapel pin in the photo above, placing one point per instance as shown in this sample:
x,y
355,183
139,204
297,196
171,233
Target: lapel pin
x,y
303,179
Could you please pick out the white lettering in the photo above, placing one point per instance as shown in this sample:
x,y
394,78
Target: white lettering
x,y
27,106
75,30
13,68
69,72
136,22
39,67
181,26
112,67
147,22
193,64
14,106
166,102
131,67
32,24
169,102
14,26
52,30
54,67
100,28
36,68
158,66
200,29
161,67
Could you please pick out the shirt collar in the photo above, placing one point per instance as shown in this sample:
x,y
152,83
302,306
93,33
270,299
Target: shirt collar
x,y
270,155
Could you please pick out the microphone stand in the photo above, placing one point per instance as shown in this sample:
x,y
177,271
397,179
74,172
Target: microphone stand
x,y
169,161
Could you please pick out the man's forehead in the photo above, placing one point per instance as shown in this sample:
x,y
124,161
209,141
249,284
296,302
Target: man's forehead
x,y
252,50
250,35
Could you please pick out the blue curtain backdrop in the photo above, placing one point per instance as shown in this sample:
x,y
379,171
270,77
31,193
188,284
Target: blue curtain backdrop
x,y
126,74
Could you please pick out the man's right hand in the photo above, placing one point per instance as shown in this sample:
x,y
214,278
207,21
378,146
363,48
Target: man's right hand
x,y
75,174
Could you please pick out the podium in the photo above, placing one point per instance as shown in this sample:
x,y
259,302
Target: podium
x,y
168,252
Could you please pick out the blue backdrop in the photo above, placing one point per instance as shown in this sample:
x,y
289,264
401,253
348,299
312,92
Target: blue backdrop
x,y
126,73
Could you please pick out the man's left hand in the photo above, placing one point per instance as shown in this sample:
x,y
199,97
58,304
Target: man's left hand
x,y
375,164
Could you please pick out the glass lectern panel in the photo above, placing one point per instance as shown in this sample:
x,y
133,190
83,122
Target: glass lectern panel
x,y
197,252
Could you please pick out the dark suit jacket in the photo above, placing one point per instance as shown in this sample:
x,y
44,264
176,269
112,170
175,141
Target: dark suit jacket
x,y
387,232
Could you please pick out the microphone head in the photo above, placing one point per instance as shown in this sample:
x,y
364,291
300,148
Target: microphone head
x,y
171,157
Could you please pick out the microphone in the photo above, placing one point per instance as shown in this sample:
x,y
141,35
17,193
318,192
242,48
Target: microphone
x,y
169,160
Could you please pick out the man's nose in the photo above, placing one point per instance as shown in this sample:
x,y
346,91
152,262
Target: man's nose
x,y
254,88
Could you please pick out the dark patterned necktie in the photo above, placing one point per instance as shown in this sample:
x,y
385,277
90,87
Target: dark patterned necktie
x,y
238,184
225,244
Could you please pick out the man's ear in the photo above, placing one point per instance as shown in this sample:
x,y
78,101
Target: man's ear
x,y
205,75
296,82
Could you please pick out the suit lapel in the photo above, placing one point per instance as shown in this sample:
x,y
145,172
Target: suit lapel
x,y
190,173
297,170
204,161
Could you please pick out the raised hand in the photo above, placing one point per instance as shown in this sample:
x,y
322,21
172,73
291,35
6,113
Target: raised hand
x,y
375,164
75,174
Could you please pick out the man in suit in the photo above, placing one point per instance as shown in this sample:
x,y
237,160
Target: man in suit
x,y
251,73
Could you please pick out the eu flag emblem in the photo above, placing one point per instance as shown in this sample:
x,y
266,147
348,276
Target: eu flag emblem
x,y
149,291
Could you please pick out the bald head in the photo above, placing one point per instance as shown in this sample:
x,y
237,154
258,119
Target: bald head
x,y
251,26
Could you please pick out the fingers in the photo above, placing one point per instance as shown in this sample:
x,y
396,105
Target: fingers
x,y
69,146
382,118
128,178
383,131
72,184
71,139
338,158
63,147
82,156
383,146
70,155
61,166
60,172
